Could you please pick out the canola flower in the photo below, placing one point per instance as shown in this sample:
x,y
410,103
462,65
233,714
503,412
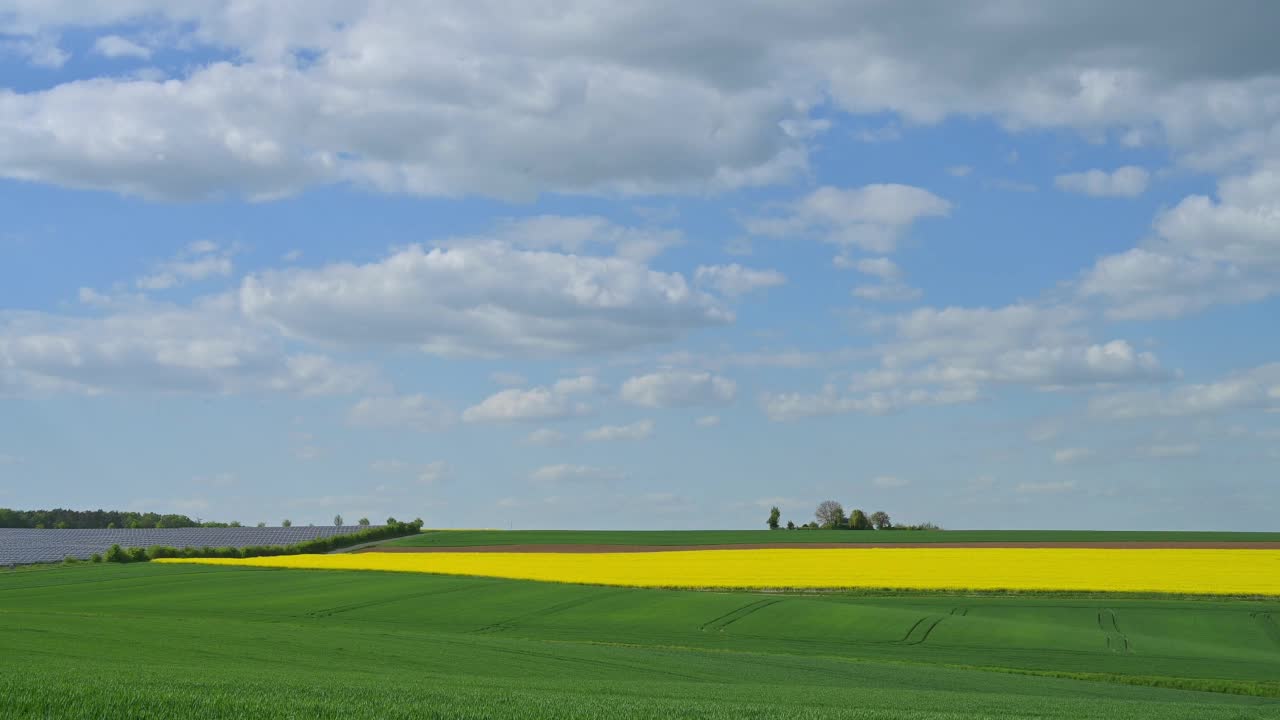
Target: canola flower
x,y
1213,572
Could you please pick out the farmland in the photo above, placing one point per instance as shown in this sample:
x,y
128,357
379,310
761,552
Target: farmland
x,y
476,538
1184,571
165,640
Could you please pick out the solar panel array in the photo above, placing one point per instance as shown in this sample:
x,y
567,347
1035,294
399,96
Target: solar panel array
x,y
23,546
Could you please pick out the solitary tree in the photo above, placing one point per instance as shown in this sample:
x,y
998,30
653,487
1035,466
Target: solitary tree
x,y
858,521
287,523
337,520
880,520
774,515
261,524
791,525
830,514
364,521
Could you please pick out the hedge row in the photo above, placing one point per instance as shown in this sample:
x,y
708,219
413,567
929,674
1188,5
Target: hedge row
x,y
392,529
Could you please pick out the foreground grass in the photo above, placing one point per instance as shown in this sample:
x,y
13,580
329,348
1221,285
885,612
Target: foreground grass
x,y
475,538
154,641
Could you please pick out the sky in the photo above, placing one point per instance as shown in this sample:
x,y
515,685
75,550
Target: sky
x,y
994,264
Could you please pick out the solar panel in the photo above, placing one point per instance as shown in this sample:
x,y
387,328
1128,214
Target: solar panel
x,y
24,546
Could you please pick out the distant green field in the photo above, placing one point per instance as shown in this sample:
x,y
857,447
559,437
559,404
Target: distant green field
x,y
157,641
463,538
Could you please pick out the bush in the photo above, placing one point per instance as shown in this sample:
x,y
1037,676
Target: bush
x,y
96,557
392,529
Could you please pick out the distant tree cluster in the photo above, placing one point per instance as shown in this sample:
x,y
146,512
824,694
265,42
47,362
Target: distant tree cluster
x,y
830,515
95,519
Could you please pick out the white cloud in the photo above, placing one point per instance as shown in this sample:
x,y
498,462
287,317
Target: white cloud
x,y
786,407
574,473
890,481
526,112
707,421
887,133
881,267
959,170
114,46
1067,456
1180,450
639,430
412,412
483,299
872,217
433,472
199,261
1128,181
151,347
887,292
1254,389
1203,253
1046,488
947,356
217,480
544,437
678,388
539,403
390,467
734,280
42,51
512,379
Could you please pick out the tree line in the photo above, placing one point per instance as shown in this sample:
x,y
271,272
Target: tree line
x,y
392,529
830,515
63,519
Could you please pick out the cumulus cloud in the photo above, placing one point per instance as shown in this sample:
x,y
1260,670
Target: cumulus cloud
x,y
565,472
1053,487
947,356
41,50
433,472
412,412
639,430
1067,456
678,388
872,217
153,347
1204,252
114,46
1128,181
524,112
787,407
483,299
734,280
540,403
1253,389
544,437
199,261
1179,450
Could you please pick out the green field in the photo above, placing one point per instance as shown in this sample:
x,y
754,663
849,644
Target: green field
x,y
464,538
162,641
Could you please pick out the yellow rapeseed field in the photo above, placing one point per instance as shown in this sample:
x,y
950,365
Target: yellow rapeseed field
x,y
1219,572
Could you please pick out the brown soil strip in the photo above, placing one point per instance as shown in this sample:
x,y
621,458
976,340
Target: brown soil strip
x,y
829,546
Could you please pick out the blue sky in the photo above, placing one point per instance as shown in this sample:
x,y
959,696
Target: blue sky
x,y
1005,265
